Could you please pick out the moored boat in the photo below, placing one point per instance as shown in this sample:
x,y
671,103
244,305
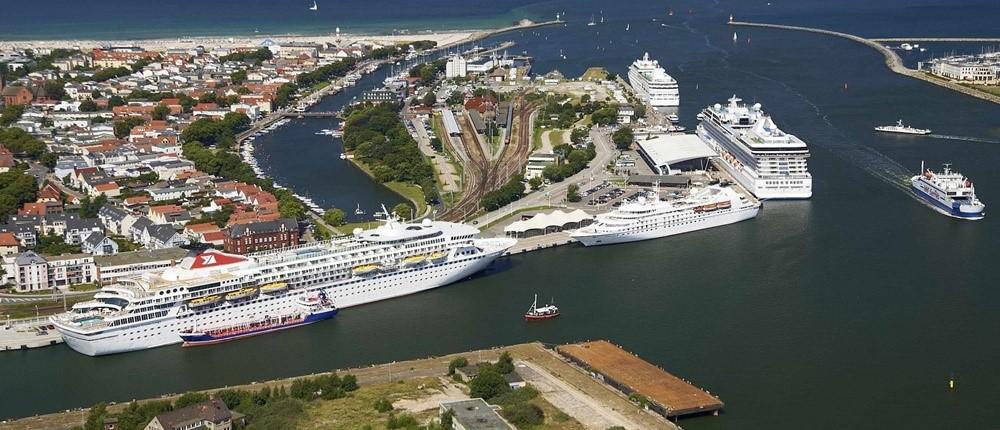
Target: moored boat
x,y
307,310
536,312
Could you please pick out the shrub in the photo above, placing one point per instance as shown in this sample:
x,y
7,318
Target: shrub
x,y
383,405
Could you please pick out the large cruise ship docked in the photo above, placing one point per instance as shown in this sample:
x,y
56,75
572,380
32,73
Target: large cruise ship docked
x,y
215,288
652,83
651,218
766,161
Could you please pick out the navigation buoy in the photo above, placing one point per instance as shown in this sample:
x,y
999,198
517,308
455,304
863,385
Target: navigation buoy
x,y
951,382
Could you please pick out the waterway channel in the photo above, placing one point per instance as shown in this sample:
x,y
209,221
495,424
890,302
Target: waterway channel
x,y
850,310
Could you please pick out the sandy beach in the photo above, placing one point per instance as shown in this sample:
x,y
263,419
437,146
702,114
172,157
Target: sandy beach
x,y
443,38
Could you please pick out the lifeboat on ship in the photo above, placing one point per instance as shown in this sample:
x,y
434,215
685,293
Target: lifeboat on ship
x,y
274,287
241,294
726,204
204,301
438,256
414,260
365,269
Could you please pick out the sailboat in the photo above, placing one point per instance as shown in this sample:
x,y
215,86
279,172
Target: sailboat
x,y
536,312
627,26
314,6
734,36
358,211
591,23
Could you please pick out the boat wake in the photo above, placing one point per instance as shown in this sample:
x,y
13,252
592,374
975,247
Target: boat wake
x,y
964,138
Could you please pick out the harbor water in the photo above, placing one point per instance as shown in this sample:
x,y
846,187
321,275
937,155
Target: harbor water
x,y
849,310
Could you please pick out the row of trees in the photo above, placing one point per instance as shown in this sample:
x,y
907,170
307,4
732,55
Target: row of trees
x,y
573,161
219,133
509,193
21,143
378,138
325,73
259,56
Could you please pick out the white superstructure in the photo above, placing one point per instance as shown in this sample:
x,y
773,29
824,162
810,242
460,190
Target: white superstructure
x,y
651,218
766,161
205,290
949,192
651,83
900,128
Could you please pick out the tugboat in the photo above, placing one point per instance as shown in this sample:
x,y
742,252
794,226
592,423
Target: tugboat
x,y
536,313
307,311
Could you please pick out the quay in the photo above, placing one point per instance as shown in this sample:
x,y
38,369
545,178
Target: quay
x,y
667,394
28,333
565,386
310,114
936,39
891,58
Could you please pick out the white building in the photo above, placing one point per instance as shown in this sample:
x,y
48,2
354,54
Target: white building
x,y
457,67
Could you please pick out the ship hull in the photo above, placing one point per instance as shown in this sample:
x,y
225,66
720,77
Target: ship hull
x,y
358,290
207,339
720,218
953,210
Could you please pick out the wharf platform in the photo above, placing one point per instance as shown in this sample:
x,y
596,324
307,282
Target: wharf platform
x,y
28,333
668,395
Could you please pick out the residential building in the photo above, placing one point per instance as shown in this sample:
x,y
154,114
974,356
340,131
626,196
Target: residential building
x,y
259,236
456,67
98,244
29,271
208,415
474,414
116,221
9,244
169,214
159,236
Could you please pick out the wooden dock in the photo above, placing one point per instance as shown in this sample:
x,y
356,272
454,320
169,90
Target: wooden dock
x,y
667,394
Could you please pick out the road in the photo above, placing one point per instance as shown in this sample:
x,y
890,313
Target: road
x,y
447,175
556,193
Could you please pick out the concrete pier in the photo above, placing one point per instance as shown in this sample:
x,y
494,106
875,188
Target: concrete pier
x,y
28,333
891,58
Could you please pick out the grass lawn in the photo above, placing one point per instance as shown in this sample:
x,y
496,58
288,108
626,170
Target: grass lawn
x,y
357,409
536,139
595,74
554,418
83,287
45,307
991,89
409,191
319,86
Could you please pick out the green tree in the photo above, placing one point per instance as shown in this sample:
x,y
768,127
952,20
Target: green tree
x,y
161,112
189,398
505,364
456,98
429,99
116,100
605,116
488,384
95,417
238,77
436,144
383,405
573,193
403,211
124,126
524,415
535,183
48,159
88,106
456,363
623,138
334,217
54,89
11,114
579,135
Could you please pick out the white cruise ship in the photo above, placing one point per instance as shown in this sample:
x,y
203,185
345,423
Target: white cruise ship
x,y
766,161
653,218
652,83
211,288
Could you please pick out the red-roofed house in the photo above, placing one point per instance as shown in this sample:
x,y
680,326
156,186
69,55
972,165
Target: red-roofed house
x,y
9,244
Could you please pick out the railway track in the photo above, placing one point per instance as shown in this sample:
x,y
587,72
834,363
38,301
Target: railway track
x,y
482,175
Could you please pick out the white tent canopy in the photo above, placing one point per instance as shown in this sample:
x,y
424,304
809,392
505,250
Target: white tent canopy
x,y
543,221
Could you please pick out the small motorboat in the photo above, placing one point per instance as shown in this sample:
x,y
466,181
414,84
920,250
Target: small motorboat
x,y
536,313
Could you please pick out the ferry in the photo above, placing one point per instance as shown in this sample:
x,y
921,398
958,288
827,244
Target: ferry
x,y
765,160
536,313
308,310
650,218
149,310
902,129
948,192
652,84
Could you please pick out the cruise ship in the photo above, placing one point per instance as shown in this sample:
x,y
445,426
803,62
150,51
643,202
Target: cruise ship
x,y
651,83
948,192
392,260
766,161
651,218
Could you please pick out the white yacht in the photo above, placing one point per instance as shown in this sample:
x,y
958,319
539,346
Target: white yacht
x,y
902,129
948,192
651,83
213,287
766,161
651,218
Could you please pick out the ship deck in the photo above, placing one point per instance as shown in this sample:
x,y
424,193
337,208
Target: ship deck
x,y
669,395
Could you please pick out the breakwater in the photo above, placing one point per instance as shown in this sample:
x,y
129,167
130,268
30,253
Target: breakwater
x,y
891,58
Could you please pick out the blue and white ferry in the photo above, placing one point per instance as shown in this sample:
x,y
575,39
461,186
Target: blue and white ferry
x,y
948,192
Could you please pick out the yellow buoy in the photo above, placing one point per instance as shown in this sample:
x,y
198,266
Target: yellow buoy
x,y
951,383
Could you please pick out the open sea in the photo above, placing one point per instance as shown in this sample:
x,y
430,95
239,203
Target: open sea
x,y
847,311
